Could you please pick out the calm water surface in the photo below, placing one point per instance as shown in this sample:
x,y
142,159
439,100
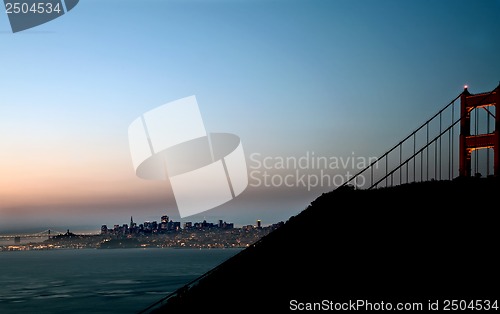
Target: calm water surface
x,y
98,281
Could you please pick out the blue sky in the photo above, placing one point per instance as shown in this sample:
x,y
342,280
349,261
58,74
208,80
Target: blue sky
x,y
337,78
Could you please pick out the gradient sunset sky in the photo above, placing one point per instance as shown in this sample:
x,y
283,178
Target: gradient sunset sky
x,y
338,78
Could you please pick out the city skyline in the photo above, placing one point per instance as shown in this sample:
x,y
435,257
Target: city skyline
x,y
334,79
122,223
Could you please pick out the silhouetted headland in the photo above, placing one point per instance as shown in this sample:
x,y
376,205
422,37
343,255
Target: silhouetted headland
x,y
414,242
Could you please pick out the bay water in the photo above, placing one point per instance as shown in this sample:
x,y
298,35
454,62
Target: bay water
x,y
98,280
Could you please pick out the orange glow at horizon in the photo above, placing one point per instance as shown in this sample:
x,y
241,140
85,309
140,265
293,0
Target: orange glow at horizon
x,y
49,173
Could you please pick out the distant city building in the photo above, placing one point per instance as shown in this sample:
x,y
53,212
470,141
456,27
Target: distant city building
x,y
151,234
166,225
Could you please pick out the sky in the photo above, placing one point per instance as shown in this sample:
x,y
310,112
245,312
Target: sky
x,y
342,79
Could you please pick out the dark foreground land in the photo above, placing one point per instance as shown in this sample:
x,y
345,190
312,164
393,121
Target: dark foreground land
x,y
419,242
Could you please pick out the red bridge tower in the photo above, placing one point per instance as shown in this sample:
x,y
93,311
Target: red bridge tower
x,y
468,142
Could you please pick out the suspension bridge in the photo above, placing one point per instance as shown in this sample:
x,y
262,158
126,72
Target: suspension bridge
x,y
42,234
460,140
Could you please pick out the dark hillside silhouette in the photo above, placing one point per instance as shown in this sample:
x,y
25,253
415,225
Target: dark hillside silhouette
x,y
412,242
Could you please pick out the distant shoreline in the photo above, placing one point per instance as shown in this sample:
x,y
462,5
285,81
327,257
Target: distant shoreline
x,y
182,239
128,248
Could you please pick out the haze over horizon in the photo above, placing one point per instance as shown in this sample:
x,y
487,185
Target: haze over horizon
x,y
293,79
